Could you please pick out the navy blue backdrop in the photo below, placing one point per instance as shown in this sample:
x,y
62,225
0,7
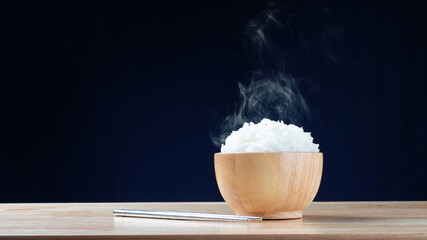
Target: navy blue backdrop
x,y
118,101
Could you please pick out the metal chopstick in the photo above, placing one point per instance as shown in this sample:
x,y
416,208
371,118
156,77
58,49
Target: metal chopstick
x,y
181,215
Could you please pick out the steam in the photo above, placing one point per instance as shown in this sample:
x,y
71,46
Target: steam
x,y
271,91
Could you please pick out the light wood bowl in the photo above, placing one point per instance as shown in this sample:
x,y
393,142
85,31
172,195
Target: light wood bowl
x,y
271,185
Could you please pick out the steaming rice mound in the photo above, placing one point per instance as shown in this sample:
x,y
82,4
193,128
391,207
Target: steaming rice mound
x,y
269,136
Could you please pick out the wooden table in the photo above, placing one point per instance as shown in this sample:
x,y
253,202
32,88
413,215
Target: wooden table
x,y
322,220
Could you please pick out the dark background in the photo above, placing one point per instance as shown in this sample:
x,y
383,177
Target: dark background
x,y
117,101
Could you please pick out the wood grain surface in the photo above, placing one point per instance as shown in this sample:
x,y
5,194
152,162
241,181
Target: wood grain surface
x,y
322,220
271,185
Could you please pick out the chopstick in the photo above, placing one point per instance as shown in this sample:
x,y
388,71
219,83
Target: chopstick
x,y
181,215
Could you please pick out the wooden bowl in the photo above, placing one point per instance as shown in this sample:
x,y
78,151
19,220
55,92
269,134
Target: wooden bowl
x,y
271,185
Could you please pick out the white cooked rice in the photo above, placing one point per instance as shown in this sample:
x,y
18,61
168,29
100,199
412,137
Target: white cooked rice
x,y
269,136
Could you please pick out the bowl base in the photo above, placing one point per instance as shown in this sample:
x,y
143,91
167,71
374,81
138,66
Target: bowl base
x,y
272,215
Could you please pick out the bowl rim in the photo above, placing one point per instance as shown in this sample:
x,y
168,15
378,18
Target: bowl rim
x,y
220,153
